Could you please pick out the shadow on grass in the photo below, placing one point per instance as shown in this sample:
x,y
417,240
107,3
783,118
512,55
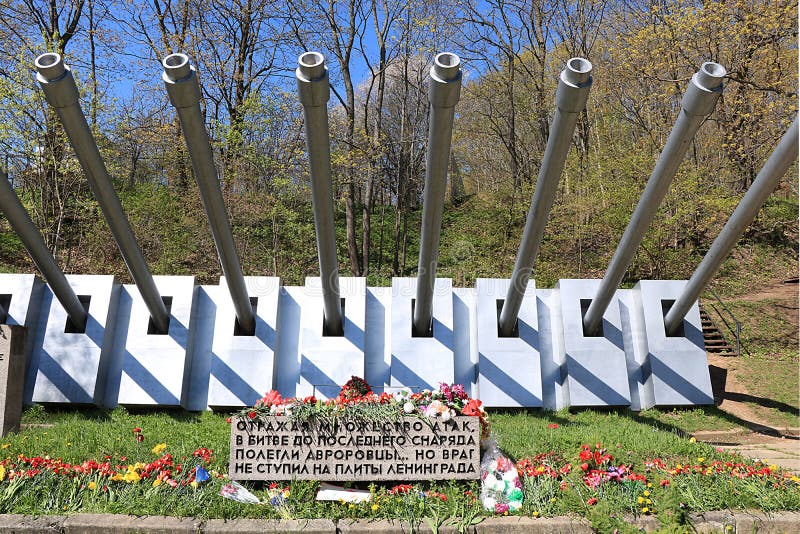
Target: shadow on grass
x,y
49,414
718,384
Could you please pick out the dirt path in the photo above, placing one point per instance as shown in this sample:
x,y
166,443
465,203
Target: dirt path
x,y
757,437
731,395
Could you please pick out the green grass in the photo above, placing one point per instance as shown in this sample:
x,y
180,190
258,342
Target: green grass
x,y
752,266
632,439
772,386
766,328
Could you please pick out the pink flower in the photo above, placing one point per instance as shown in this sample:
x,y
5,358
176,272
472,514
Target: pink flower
x,y
271,398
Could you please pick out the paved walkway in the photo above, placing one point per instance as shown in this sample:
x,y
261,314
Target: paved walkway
x,y
782,450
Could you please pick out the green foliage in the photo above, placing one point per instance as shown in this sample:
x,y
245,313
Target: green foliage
x,y
501,130
10,247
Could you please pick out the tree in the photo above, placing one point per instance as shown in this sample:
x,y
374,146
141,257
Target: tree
x,y
32,132
337,27
238,44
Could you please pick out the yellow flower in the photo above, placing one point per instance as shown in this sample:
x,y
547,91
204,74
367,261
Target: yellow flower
x,y
773,467
92,485
375,507
351,506
640,500
116,478
649,484
6,445
131,476
646,493
701,459
2,472
645,510
553,499
158,449
648,501
535,514
194,484
693,440
157,482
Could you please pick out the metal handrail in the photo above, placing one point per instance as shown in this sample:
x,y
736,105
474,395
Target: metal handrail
x,y
738,330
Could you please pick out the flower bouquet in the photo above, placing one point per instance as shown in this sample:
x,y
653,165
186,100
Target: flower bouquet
x,y
357,400
501,487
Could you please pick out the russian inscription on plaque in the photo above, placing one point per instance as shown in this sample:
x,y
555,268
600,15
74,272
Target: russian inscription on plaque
x,y
278,448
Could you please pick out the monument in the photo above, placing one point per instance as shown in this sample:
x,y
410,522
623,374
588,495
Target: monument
x,y
169,342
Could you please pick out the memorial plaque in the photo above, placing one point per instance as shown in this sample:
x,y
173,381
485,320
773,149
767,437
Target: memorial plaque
x,y
277,448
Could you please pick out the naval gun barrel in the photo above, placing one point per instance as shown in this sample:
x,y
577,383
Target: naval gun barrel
x,y
444,91
180,79
61,93
573,91
765,183
314,92
698,102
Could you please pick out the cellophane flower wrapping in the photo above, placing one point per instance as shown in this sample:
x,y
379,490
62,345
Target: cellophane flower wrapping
x,y
236,492
501,487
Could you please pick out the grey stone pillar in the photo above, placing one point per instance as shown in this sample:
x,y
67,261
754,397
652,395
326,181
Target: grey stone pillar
x,y
12,376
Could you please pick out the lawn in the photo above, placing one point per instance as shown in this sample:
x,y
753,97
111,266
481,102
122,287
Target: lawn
x,y
595,464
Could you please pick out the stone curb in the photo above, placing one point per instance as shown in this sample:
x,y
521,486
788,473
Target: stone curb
x,y
254,526
717,522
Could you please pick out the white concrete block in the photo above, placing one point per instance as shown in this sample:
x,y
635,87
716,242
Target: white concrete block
x,y
21,296
422,362
150,368
72,367
509,368
596,366
242,367
677,365
327,362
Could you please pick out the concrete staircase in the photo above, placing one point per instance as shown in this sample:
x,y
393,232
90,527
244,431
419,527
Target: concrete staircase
x,y
712,335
